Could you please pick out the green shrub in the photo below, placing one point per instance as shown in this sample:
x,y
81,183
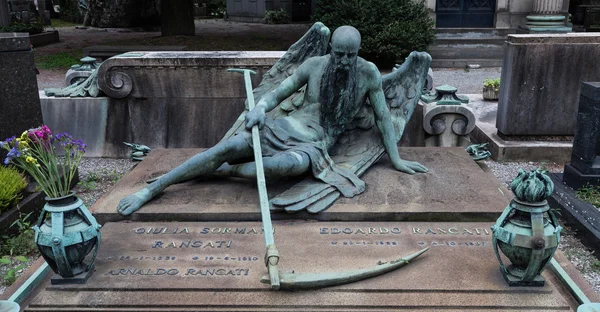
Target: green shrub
x,y
492,83
60,60
12,183
70,12
216,8
390,29
280,16
22,244
35,27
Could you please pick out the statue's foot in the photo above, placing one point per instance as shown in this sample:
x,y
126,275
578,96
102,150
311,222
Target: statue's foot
x,y
133,202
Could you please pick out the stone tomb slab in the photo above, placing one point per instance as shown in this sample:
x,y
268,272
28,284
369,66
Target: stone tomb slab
x,y
454,189
216,266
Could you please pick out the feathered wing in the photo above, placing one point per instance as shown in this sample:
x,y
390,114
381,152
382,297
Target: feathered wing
x,y
361,146
313,43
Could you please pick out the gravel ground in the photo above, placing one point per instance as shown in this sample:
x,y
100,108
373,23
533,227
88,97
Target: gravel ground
x,y
467,82
98,175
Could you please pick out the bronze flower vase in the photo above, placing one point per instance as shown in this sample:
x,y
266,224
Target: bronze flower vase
x,y
65,234
527,232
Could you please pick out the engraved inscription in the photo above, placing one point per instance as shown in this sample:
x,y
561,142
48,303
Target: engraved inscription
x,y
235,250
450,231
360,231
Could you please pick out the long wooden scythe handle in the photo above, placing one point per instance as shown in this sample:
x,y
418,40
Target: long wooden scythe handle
x,y
271,255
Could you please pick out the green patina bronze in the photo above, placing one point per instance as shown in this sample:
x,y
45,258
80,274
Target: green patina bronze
x,y
292,280
527,232
138,151
478,151
85,88
66,238
445,95
331,115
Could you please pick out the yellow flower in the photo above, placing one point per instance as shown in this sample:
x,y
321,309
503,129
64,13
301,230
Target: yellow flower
x,y
24,136
23,144
31,160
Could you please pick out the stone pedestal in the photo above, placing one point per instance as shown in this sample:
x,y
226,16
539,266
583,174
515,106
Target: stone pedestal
x,y
540,82
207,266
160,99
18,86
585,159
547,17
446,121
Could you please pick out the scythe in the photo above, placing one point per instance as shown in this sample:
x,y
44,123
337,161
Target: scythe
x,y
292,281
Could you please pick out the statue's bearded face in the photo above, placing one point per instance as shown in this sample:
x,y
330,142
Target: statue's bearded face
x,y
344,56
345,43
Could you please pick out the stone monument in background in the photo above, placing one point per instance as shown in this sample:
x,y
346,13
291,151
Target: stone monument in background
x,y
585,159
19,97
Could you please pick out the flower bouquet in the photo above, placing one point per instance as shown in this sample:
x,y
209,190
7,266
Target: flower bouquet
x,y
37,152
52,160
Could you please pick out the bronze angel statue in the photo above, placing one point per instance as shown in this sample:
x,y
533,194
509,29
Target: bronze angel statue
x,y
323,116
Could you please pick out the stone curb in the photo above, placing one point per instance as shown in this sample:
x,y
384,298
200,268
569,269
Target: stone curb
x,y
579,214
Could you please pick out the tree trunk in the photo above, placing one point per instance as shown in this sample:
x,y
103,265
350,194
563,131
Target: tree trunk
x,y
177,17
123,13
4,15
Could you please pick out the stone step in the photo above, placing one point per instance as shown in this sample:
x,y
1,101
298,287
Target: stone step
x,y
467,51
496,40
462,63
473,32
459,47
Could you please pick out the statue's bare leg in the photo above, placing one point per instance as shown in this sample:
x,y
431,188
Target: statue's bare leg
x,y
286,164
200,164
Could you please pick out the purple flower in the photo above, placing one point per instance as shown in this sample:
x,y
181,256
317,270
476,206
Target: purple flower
x,y
10,139
13,153
2,144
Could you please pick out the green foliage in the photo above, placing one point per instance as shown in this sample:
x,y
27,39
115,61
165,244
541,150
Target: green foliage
x,y
23,243
11,274
280,16
492,83
89,183
35,27
596,265
216,8
61,23
61,60
12,184
390,29
15,248
590,194
69,11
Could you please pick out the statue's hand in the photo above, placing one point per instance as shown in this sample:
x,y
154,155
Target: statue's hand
x,y
410,167
256,117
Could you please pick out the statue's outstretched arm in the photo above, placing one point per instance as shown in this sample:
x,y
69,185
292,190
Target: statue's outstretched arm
x,y
271,99
384,123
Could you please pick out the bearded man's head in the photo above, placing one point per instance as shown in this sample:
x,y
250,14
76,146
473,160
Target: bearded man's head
x,y
345,43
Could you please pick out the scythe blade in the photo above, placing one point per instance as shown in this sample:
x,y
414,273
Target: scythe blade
x,y
292,281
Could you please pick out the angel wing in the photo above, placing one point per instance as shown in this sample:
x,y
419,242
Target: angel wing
x,y
360,147
314,43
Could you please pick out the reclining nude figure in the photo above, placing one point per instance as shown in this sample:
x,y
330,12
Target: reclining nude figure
x,y
337,89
